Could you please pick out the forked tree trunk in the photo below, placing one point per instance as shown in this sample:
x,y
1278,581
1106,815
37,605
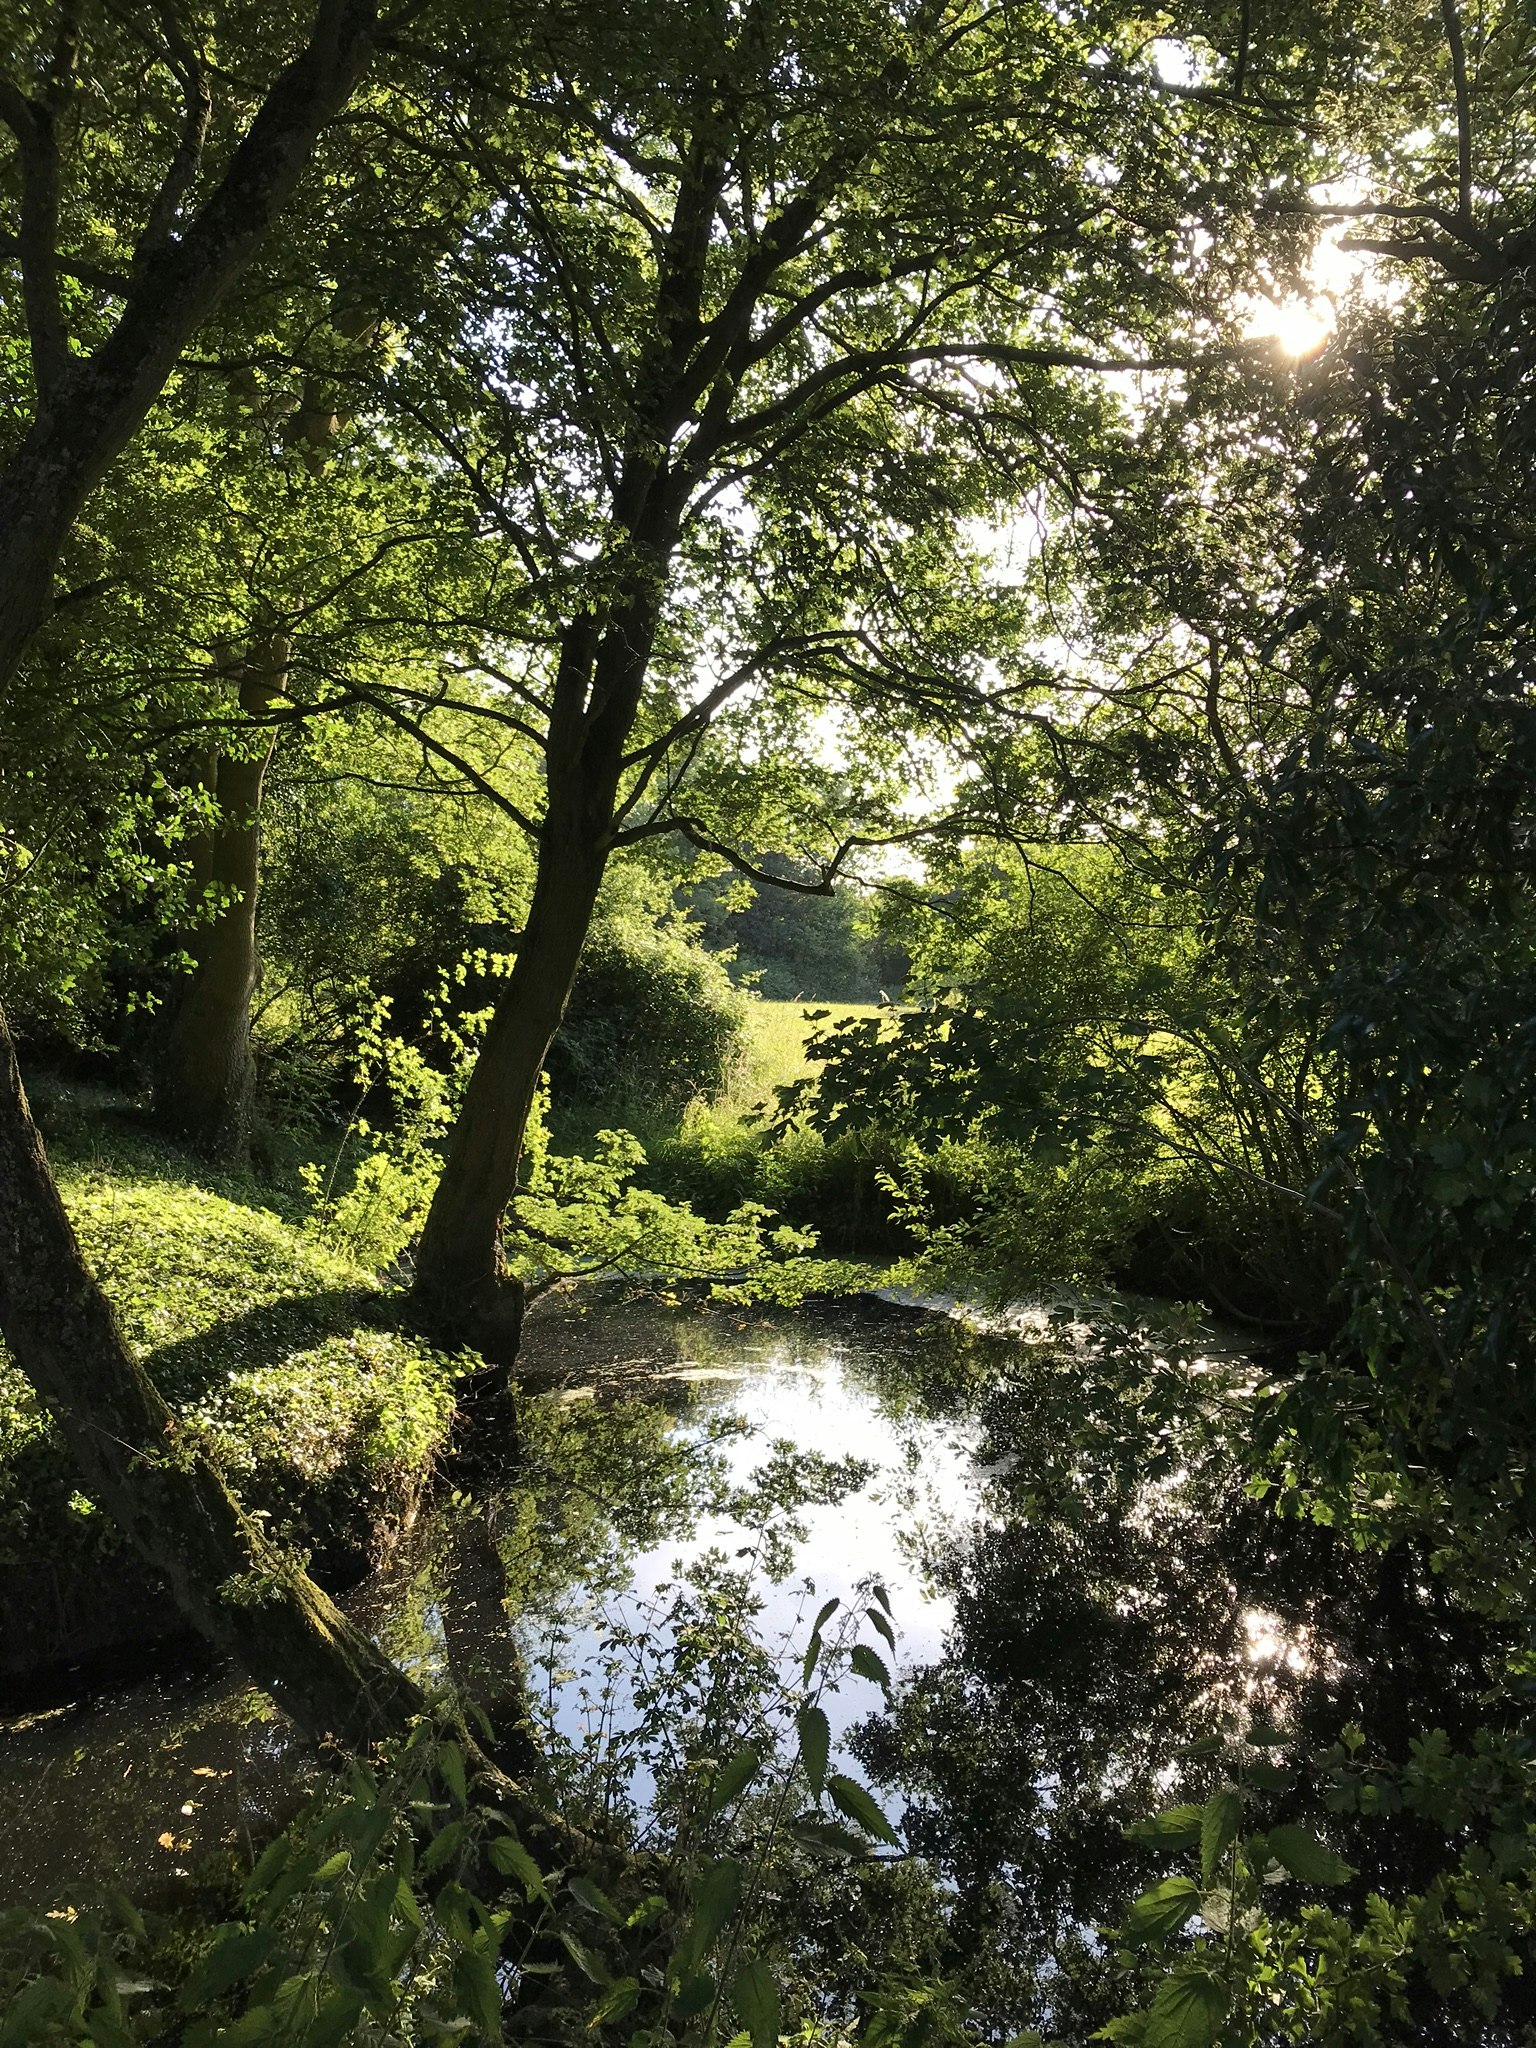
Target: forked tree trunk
x,y
206,1079
139,1465
462,1294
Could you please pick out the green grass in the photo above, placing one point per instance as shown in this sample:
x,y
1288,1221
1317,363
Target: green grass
x,y
271,1345
777,1033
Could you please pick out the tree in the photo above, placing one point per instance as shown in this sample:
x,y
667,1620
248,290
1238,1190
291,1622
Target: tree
x,y
182,259
207,1077
768,311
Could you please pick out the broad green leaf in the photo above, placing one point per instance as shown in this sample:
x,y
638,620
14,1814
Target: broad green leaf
x,y
1219,1825
450,1760
333,1866
829,1838
825,1616
593,1898
234,1957
43,2000
1187,2011
716,1895
478,1989
1176,1827
882,1627
815,1746
1161,1911
755,1995
865,1662
443,1846
621,1997
589,1965
1304,1856
878,1592
735,1778
335,2022
693,1994
850,1797
513,1860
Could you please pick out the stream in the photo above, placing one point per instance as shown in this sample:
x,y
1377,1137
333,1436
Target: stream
x,y
1078,1581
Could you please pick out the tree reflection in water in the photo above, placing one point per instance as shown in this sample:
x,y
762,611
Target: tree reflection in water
x,y
1123,1598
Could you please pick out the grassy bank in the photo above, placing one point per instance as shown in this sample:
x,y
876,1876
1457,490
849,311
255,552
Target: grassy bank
x,y
271,1345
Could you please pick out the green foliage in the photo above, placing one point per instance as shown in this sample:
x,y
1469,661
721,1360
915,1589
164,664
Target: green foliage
x,y
268,1344
1265,1966
653,1022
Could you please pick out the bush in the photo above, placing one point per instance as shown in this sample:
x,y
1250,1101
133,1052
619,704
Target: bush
x,y
653,1024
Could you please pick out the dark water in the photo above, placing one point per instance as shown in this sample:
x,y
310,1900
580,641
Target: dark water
x,y
1079,1579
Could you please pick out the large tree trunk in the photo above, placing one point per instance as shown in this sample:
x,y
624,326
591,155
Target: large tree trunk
x,y
206,1079
462,1294
138,1464
90,412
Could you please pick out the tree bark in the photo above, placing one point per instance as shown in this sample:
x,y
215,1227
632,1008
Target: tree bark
x,y
96,404
139,1464
207,1077
462,1293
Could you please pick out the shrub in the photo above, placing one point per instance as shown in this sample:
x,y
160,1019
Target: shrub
x,y
653,1022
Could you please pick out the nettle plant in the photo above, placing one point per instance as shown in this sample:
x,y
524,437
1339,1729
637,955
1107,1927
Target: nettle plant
x,y
1229,1955
406,1905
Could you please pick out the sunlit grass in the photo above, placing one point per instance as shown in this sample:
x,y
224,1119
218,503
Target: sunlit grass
x,y
777,1034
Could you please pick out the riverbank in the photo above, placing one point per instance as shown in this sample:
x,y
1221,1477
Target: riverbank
x,y
274,1349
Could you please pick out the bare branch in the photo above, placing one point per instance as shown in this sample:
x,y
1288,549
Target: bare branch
x,y
186,65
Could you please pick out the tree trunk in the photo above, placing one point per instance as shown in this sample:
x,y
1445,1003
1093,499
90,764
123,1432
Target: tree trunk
x,y
462,1294
207,1077
141,1467
100,402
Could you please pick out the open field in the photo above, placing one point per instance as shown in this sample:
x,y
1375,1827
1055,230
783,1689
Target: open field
x,y
778,1033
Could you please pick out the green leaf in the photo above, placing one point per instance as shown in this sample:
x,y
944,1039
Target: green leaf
x,y
233,1957
829,1838
755,1996
812,1653
735,1778
589,1965
593,1898
332,1867
881,1626
451,1762
621,1998
1176,1827
878,1592
865,1662
443,1845
716,1895
1219,1825
479,1990
1161,1911
815,1746
513,1860
850,1797
693,1994
825,1616
1305,1857
1187,2011
335,2022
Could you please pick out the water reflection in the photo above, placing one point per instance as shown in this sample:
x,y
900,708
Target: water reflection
x,y
1082,1584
